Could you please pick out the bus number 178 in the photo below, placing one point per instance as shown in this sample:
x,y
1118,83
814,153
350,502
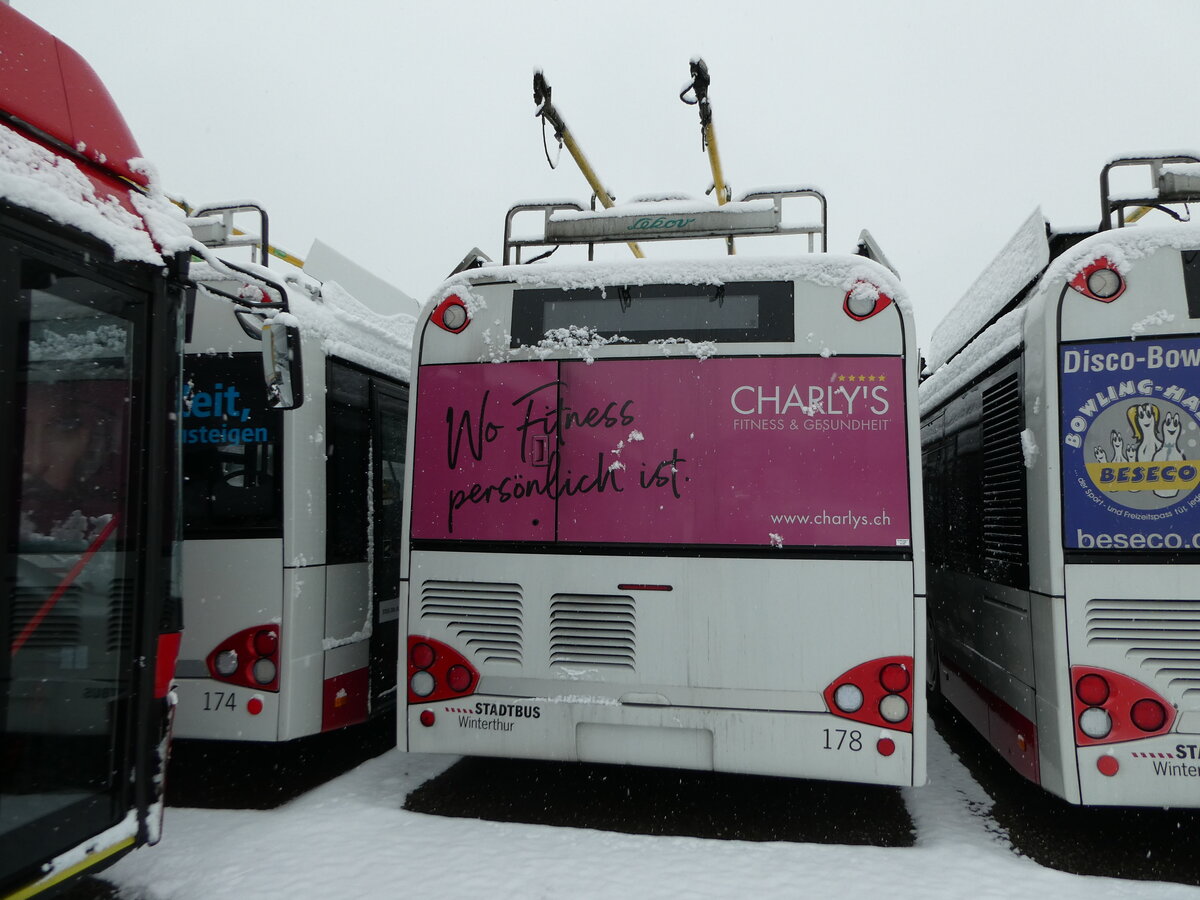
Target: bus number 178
x,y
840,738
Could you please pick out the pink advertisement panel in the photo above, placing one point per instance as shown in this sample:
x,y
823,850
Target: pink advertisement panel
x,y
480,472
784,452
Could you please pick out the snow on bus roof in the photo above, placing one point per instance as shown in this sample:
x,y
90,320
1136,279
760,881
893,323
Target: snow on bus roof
x,y
351,330
665,206
1123,247
826,269
1017,264
35,178
986,350
346,327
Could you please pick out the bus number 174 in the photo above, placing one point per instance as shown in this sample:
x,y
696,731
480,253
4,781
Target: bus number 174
x,y
214,700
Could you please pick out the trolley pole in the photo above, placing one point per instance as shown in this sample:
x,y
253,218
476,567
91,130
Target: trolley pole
x,y
708,132
548,112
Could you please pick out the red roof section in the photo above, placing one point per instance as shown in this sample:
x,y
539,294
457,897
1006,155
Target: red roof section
x,y
47,84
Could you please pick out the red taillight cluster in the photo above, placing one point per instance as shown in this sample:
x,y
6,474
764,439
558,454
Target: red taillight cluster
x,y
864,300
1111,707
1099,280
451,315
437,671
879,692
249,658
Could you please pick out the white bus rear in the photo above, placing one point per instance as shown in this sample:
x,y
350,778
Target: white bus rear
x,y
668,514
291,516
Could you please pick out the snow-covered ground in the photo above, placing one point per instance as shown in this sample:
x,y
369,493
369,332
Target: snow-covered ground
x,y
352,838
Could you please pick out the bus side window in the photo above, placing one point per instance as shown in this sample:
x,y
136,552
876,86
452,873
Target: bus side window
x,y
347,463
392,424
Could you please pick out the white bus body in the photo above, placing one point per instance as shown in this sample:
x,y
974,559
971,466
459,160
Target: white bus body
x,y
1061,510
291,517
670,549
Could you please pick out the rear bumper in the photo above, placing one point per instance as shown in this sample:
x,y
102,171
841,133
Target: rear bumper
x,y
791,744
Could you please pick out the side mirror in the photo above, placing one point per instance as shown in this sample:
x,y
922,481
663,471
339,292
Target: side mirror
x,y
281,365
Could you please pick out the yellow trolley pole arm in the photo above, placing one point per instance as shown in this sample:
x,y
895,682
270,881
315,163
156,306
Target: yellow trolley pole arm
x,y
546,109
708,132
277,252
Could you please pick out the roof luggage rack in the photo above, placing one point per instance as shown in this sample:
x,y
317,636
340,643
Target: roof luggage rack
x,y
753,214
1175,179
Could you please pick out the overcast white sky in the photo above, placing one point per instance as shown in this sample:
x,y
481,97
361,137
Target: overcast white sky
x,y
400,132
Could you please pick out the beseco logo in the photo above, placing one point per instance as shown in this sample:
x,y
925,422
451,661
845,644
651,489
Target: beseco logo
x,y
1136,452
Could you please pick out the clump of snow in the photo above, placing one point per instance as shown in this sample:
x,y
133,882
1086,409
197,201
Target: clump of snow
x,y
864,291
94,343
1029,448
702,350
1160,317
577,340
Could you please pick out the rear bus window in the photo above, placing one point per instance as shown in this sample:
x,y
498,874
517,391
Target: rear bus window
x,y
749,311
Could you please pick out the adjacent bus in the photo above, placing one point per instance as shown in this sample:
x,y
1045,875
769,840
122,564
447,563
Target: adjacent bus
x,y
668,513
92,297
291,516
1061,433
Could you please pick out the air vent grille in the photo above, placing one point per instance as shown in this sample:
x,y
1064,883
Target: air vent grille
x,y
1161,636
592,630
487,617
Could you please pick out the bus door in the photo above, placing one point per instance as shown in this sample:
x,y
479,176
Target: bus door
x,y
67,611
390,407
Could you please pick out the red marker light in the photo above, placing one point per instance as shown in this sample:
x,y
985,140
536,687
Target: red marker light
x,y
266,642
458,678
422,656
1099,280
1092,689
894,678
451,315
864,300
1148,715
